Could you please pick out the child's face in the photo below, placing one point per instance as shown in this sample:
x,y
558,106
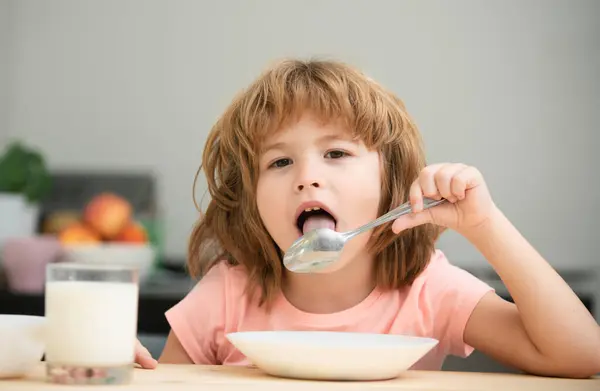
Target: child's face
x,y
309,162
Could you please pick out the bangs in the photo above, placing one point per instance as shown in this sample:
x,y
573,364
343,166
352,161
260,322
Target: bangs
x,y
329,91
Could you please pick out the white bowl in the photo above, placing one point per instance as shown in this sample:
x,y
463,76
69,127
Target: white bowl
x,y
324,355
140,256
22,344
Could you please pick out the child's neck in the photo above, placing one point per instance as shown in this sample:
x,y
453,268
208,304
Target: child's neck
x,y
331,292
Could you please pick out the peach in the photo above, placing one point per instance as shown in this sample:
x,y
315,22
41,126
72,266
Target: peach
x,y
78,233
108,214
133,232
57,221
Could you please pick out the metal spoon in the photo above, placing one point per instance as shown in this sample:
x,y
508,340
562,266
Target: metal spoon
x,y
321,247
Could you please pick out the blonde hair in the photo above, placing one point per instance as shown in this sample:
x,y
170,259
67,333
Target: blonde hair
x,y
231,228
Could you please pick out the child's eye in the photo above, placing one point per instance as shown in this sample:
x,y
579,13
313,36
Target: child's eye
x,y
281,163
336,154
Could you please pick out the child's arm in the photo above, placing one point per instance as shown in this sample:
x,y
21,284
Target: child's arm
x,y
548,330
173,352
199,322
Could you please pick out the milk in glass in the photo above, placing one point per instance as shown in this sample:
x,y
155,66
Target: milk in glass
x,y
91,315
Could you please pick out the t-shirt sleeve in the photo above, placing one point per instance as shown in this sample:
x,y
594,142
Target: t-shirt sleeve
x,y
453,293
198,320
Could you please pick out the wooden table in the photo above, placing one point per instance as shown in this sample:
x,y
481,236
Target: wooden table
x,y
203,378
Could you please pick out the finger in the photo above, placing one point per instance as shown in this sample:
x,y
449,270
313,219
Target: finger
x,y
427,181
416,197
410,220
464,180
443,180
143,357
147,362
141,351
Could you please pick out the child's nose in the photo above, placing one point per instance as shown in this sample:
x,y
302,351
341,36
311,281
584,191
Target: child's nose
x,y
309,173
301,186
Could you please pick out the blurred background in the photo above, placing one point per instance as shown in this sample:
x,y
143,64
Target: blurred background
x,y
105,107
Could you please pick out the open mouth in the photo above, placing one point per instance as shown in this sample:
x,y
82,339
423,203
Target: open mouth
x,y
314,218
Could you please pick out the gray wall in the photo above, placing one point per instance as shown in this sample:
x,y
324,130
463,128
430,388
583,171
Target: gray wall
x,y
511,87
5,41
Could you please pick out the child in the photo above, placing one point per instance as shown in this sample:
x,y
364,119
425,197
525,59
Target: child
x,y
318,144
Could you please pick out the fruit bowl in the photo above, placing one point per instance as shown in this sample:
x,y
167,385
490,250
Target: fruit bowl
x,y
106,232
21,344
328,355
140,256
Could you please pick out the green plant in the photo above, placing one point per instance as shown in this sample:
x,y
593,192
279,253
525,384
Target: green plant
x,y
23,171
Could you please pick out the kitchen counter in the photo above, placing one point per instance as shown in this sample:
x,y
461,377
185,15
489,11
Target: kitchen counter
x,y
163,290
197,377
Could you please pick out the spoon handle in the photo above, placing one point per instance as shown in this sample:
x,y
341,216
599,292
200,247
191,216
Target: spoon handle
x,y
392,215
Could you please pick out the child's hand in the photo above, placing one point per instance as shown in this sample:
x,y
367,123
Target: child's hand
x,y
470,202
143,356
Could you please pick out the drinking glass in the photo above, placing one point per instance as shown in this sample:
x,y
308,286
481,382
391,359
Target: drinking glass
x,y
91,314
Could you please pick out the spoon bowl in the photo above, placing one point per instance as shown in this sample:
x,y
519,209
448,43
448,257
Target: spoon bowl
x,y
320,248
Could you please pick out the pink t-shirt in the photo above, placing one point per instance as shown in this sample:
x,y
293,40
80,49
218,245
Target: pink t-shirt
x,y
437,305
